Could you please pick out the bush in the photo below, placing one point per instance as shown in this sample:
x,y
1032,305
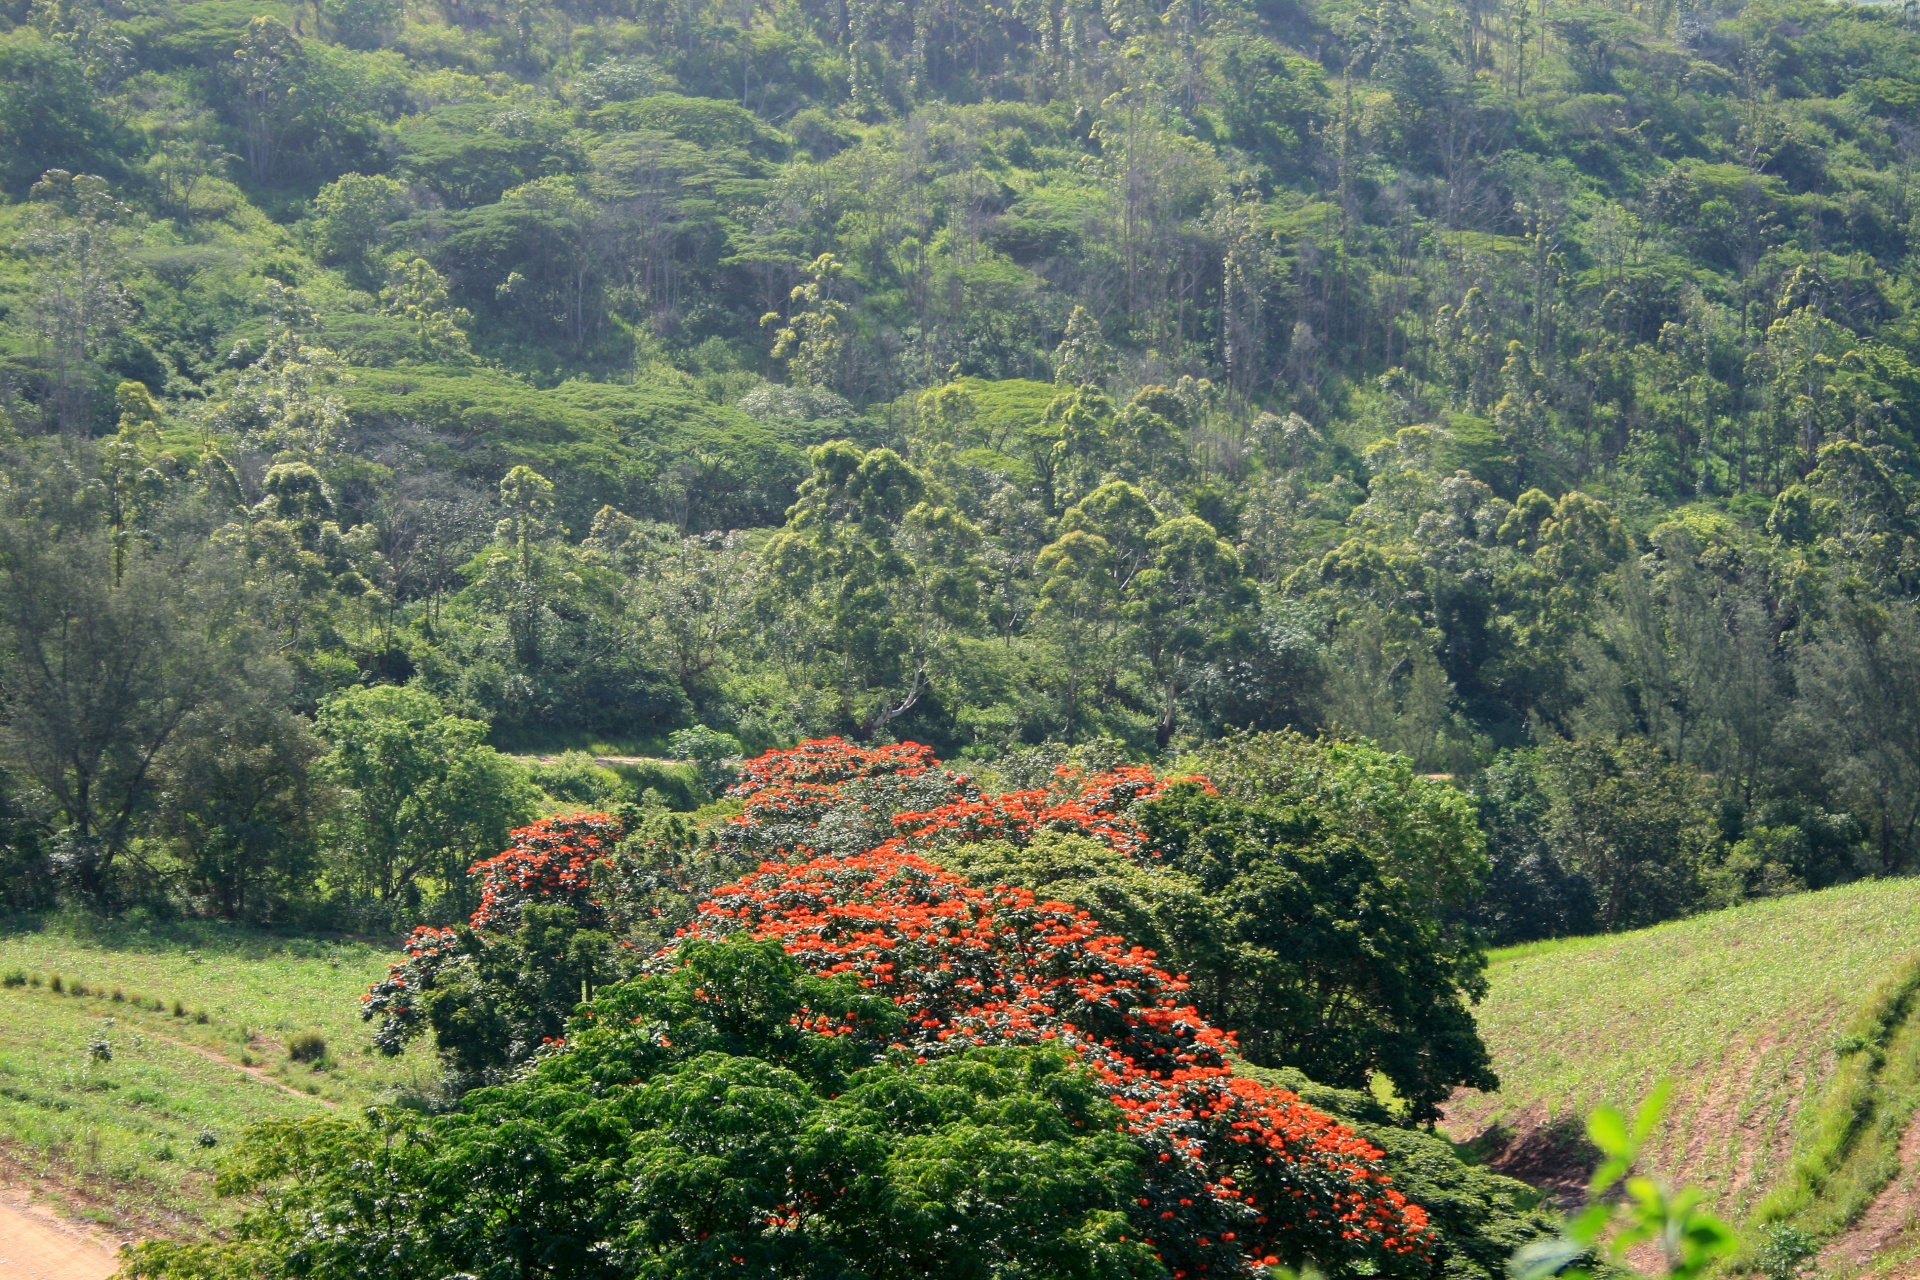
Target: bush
x,y
577,779
1786,1251
306,1046
55,984
708,750
14,978
179,1010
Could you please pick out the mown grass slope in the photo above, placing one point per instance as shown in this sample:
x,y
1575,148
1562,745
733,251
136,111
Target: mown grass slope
x,y
1751,1012
121,1137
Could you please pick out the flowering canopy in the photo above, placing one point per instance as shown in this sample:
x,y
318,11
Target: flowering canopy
x,y
1243,1174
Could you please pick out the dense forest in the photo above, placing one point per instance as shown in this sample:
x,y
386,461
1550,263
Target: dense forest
x,y
393,393
948,629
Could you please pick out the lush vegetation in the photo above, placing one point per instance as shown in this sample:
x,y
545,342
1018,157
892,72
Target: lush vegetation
x,y
849,1054
1344,484
1525,390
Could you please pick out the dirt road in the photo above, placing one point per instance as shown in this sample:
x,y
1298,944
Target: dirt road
x,y
36,1245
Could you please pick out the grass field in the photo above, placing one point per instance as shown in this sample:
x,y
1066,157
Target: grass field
x,y
132,1139
1747,1010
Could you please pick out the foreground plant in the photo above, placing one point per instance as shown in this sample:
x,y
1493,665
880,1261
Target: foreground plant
x,y
1690,1239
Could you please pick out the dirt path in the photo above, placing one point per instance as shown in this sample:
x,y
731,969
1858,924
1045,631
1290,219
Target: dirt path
x,y
1891,1214
37,1245
608,761
256,1072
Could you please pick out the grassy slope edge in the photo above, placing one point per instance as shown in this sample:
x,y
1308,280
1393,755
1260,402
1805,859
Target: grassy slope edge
x,y
119,1139
1789,1027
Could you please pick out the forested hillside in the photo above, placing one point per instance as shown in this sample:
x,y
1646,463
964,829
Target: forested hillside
x,y
1529,388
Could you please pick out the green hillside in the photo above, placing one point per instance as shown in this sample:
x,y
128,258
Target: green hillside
x,y
1782,1023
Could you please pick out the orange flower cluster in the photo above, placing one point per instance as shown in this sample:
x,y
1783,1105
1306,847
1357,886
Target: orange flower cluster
x,y
549,862
1094,806
825,761
1242,1172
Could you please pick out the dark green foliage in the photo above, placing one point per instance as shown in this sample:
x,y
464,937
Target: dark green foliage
x,y
689,1111
1531,892
50,117
1333,965
517,993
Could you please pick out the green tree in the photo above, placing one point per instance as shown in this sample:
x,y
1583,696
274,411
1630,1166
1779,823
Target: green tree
x,y
285,401
886,579
417,293
243,804
1857,682
49,115
1639,827
813,340
421,794
693,1122
110,663
349,223
1332,963
267,67
80,301
1181,605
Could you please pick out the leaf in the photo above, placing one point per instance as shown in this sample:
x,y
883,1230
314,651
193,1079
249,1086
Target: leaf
x,y
1608,1129
1542,1258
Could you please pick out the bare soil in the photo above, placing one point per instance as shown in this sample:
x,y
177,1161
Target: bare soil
x,y
38,1244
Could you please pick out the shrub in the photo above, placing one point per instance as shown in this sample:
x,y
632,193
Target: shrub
x,y
200,1016
15,978
100,1049
179,1010
119,996
306,1046
78,988
575,778
1786,1252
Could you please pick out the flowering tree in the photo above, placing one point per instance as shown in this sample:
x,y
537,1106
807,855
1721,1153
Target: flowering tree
x,y
1231,1174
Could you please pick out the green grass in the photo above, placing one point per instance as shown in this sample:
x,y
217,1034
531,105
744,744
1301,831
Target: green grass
x,y
121,1139
1745,1009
